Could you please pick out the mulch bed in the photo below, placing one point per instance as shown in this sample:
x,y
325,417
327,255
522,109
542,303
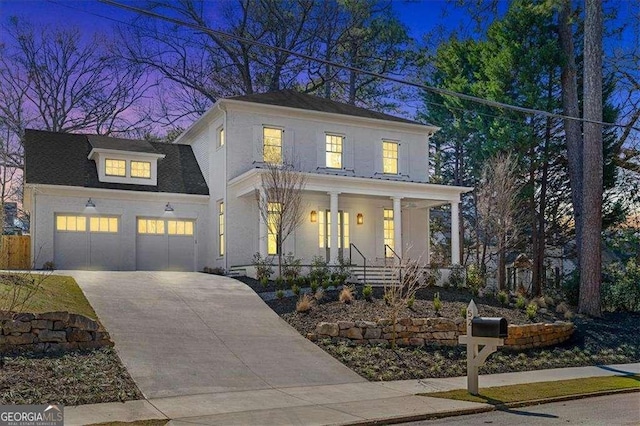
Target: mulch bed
x,y
73,378
613,339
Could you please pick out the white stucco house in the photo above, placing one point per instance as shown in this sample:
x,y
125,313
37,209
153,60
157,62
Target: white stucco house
x,y
108,203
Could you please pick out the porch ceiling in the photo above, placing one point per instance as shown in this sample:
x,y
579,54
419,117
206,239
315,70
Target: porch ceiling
x,y
413,194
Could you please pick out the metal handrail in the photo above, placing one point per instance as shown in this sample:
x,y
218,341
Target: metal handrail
x,y
387,246
364,259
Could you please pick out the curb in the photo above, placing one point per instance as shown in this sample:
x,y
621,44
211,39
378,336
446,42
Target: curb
x,y
420,417
503,407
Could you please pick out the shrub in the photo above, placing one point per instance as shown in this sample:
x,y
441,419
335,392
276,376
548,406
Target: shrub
x,y
263,267
571,287
314,285
279,282
295,289
319,269
568,315
326,284
463,312
264,281
475,278
532,310
304,303
346,295
49,266
367,292
432,274
279,293
548,300
456,277
562,308
503,297
620,289
411,301
540,302
521,302
437,303
318,295
291,267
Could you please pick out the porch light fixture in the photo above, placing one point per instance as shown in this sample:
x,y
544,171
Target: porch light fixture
x,y
168,208
359,219
314,216
90,203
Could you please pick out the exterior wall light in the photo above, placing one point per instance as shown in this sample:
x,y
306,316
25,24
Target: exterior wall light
x,y
168,208
90,203
359,219
314,216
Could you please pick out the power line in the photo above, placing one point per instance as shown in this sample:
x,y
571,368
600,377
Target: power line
x,y
432,89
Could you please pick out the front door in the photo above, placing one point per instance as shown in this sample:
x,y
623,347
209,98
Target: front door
x,y
343,233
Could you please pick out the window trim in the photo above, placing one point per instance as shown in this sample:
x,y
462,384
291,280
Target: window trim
x,y
141,162
221,229
272,236
221,135
392,237
396,158
106,167
264,145
327,152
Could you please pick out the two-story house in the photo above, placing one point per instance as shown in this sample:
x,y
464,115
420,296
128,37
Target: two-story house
x,y
111,203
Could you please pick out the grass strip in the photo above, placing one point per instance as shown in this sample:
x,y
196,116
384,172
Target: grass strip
x,y
136,423
534,392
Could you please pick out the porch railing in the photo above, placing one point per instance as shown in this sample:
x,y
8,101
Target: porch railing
x,y
387,246
364,260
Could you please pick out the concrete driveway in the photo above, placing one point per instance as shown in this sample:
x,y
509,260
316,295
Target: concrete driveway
x,y
187,333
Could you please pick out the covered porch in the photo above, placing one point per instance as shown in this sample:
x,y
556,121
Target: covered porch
x,y
355,218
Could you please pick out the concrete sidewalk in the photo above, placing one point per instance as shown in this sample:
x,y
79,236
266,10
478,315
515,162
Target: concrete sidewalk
x,y
350,403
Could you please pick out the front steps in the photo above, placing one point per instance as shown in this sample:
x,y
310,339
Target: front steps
x,y
377,276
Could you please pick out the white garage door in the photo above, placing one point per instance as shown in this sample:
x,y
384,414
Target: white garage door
x,y
165,244
87,242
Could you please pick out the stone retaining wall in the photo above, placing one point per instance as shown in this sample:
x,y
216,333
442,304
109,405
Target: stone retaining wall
x,y
51,331
443,331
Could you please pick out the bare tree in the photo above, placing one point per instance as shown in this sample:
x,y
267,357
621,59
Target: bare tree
x,y
402,280
497,204
280,201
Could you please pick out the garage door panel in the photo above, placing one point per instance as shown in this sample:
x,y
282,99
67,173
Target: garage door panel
x,y
105,252
165,244
71,250
181,253
151,252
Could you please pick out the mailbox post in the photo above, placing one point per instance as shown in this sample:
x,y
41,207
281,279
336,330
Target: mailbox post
x,y
486,332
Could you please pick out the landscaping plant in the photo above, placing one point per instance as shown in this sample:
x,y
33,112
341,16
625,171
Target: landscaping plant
x,y
264,281
463,312
16,290
279,293
411,301
279,282
432,274
621,287
263,267
437,303
521,302
318,295
503,297
347,295
314,286
367,292
295,289
532,311
319,269
456,277
291,267
305,303
475,279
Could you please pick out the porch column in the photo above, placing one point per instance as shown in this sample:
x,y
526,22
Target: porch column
x,y
262,230
397,225
428,253
455,233
333,241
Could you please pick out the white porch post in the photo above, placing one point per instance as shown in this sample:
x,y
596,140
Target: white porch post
x,y
455,233
428,244
263,226
397,225
333,205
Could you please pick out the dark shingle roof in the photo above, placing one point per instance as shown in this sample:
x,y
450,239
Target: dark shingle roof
x,y
119,144
293,99
61,159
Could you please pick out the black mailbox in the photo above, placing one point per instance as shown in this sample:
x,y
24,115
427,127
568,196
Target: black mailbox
x,y
489,327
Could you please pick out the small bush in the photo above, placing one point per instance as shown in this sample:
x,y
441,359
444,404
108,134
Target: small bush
x,y
571,287
326,284
540,302
314,286
437,303
295,289
475,279
264,281
562,308
411,301
291,267
49,266
620,289
263,266
432,274
568,315
279,282
532,311
503,297
521,302
463,312
319,269
346,295
304,303
456,277
279,293
367,292
549,300
318,295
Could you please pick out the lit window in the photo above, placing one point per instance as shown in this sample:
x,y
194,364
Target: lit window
x,y
180,227
345,230
221,140
115,167
272,145
103,224
221,228
388,232
390,157
71,223
141,169
273,216
150,226
321,229
333,149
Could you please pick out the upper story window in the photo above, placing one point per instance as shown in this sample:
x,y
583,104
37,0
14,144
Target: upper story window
x,y
333,148
272,145
390,157
141,169
115,167
221,136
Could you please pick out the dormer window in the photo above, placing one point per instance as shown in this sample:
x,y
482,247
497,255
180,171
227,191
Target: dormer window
x,y
115,167
141,169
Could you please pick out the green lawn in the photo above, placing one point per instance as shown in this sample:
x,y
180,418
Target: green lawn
x,y
513,394
56,293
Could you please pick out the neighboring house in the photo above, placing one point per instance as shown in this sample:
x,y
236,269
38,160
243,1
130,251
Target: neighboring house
x,y
99,202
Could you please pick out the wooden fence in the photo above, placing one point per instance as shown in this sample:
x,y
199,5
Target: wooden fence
x,y
15,252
